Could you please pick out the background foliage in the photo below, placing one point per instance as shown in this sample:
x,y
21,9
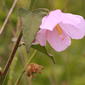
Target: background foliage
x,y
70,64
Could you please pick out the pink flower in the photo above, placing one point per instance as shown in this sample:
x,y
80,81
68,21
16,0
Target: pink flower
x,y
58,28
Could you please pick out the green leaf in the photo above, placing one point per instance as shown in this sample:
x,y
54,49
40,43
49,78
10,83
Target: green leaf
x,y
42,49
31,23
22,12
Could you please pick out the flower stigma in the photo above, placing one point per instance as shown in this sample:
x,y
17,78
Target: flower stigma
x,y
59,29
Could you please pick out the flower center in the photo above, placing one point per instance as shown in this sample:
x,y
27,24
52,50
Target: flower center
x,y
59,29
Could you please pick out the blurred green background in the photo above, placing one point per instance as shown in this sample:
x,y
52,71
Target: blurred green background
x,y
70,64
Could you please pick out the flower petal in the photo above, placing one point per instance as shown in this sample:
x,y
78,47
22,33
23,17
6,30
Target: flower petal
x,y
72,31
73,25
51,20
58,42
41,37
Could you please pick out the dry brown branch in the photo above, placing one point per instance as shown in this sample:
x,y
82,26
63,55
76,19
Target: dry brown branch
x,y
7,18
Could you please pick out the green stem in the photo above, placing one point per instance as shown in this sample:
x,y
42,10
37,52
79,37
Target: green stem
x,y
31,57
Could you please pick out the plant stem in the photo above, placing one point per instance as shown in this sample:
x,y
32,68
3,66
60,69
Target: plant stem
x,y
31,57
12,71
12,54
7,66
7,18
30,80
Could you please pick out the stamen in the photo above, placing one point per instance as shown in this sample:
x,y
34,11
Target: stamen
x,y
59,29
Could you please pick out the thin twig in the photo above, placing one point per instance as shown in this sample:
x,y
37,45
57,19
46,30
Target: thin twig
x,y
11,57
12,54
30,80
7,66
31,57
7,18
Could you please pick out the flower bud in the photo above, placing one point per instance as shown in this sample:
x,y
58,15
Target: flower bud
x,y
33,69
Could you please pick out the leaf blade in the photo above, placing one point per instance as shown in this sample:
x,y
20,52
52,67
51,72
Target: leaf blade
x,y
31,23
